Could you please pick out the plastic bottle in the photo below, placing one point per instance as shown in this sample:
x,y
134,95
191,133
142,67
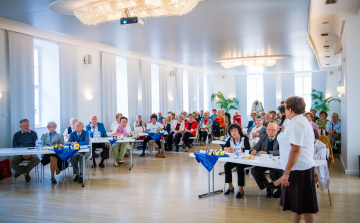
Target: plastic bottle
x,y
99,135
38,145
236,152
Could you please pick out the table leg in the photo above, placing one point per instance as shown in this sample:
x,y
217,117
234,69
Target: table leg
x,y
164,148
131,155
83,169
213,182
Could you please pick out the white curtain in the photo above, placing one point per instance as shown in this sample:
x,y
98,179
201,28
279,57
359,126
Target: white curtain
x,y
241,94
201,91
21,69
179,90
192,90
163,88
270,92
288,85
146,90
211,90
108,89
68,83
133,79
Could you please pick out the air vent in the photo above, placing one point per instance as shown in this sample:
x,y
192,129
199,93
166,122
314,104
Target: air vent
x,y
324,34
327,64
327,22
326,46
327,2
327,56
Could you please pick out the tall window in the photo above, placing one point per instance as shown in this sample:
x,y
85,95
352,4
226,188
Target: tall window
x,y
186,90
122,86
155,88
303,88
206,96
255,90
37,86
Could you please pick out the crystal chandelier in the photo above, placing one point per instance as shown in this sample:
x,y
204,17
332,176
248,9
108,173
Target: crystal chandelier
x,y
114,10
265,61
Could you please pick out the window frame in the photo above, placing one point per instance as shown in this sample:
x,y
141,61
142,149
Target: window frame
x,y
303,76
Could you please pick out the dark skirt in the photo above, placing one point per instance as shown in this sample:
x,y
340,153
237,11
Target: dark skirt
x,y
300,195
61,164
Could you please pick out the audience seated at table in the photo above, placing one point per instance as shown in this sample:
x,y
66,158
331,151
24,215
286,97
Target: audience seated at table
x,y
81,137
310,117
322,121
71,128
166,125
201,115
139,123
120,149
49,140
268,119
116,123
177,129
257,130
322,171
237,118
237,140
333,128
214,114
253,121
94,127
313,111
154,124
160,117
191,127
227,120
24,138
205,128
218,124
267,144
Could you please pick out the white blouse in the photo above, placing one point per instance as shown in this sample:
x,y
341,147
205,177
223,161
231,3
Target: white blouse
x,y
319,150
151,126
298,132
255,129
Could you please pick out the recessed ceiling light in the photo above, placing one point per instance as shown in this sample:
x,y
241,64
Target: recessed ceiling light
x,y
330,2
324,34
327,46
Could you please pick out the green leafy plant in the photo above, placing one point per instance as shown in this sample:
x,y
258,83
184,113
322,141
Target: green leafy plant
x,y
320,102
223,103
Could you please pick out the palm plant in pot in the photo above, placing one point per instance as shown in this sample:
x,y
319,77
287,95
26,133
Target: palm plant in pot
x,y
224,103
320,102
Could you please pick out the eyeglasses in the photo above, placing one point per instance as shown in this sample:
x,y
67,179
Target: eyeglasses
x,y
270,130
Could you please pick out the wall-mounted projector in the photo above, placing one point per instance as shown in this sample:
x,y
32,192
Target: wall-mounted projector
x,y
131,20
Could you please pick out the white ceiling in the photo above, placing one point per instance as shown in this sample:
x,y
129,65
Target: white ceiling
x,y
213,30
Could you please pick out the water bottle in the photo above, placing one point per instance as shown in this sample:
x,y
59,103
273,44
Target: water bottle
x,y
236,152
99,135
38,145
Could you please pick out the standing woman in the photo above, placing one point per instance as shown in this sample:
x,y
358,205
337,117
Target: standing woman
x,y
296,141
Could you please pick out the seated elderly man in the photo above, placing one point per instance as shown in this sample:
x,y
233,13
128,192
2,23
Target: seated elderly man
x,y
268,119
259,129
267,144
161,118
94,128
81,137
24,138
334,129
252,122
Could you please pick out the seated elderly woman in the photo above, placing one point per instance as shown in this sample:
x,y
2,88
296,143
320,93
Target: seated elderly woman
x,y
322,121
177,129
154,124
50,139
214,114
205,129
120,149
70,129
218,124
191,127
257,130
173,118
237,118
139,123
310,117
116,123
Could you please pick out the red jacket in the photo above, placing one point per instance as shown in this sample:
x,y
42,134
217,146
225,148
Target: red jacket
x,y
193,126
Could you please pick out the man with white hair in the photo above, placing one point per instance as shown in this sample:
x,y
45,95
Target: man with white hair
x,y
81,137
334,129
94,128
201,116
227,114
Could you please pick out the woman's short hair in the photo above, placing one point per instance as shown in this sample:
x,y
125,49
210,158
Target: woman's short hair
x,y
309,113
51,123
181,116
123,118
118,114
173,113
313,109
214,110
259,116
281,109
208,113
73,119
316,134
324,112
296,104
154,116
236,126
168,116
253,113
138,116
236,111
273,112
190,115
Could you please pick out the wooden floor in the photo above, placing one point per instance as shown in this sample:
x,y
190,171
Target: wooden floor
x,y
162,190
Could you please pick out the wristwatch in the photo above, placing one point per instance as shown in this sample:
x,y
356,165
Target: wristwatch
x,y
286,173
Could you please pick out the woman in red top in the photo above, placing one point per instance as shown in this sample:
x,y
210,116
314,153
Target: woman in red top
x,y
190,131
237,118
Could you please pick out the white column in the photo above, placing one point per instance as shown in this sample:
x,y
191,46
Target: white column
x,y
146,89
133,79
163,88
179,90
201,91
192,90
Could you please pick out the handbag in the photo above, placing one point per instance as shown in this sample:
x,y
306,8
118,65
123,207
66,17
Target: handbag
x,y
5,169
160,154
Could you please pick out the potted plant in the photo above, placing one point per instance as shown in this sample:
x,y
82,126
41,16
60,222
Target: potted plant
x,y
223,103
321,103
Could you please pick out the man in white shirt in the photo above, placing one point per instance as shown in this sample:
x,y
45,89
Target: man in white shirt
x,y
257,130
154,124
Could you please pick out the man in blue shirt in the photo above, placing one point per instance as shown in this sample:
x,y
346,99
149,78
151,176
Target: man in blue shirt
x,y
81,137
161,118
95,127
252,122
334,129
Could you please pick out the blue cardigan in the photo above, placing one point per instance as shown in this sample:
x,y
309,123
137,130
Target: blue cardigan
x,y
250,124
101,129
83,140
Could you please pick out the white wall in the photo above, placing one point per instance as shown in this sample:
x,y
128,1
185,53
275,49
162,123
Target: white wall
x,y
226,85
89,82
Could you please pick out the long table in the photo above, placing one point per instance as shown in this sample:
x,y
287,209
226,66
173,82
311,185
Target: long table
x,y
273,163
32,151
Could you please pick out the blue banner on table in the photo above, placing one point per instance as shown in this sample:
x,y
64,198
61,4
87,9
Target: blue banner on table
x,y
155,136
206,160
66,154
112,141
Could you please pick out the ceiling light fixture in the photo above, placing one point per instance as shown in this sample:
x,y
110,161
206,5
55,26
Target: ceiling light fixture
x,y
114,10
265,61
